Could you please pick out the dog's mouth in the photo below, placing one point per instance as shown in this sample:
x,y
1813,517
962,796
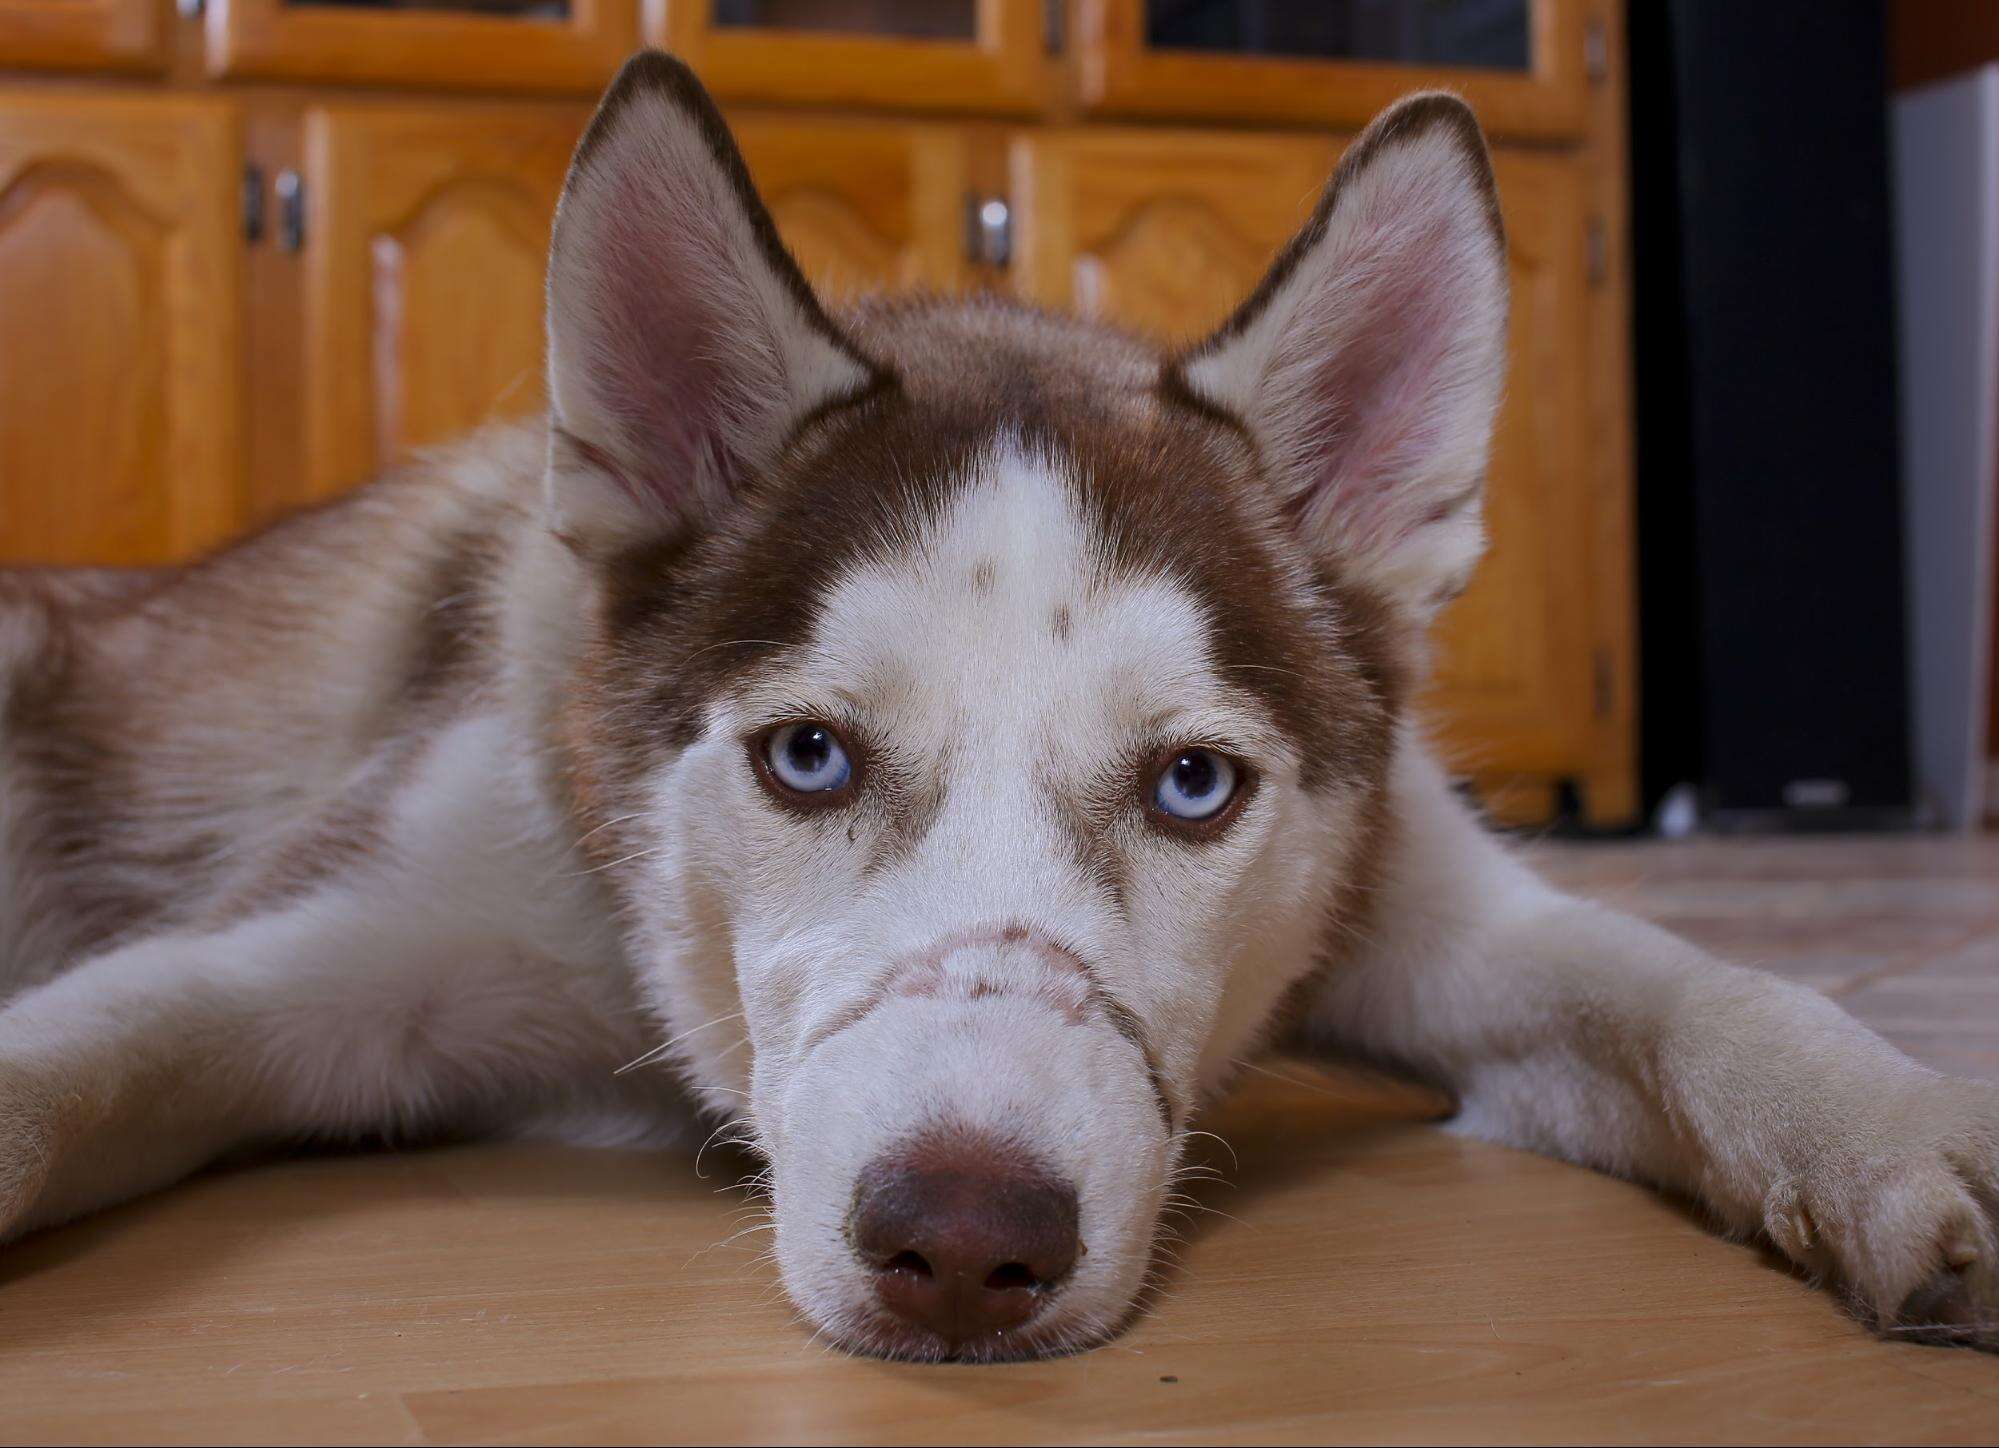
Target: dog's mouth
x,y
881,1335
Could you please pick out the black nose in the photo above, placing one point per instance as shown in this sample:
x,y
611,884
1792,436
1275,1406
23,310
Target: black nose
x,y
964,1237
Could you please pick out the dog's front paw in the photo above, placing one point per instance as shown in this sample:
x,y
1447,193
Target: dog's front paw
x,y
1901,1211
27,1148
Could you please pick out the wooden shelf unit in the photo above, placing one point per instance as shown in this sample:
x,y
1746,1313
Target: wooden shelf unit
x,y
251,255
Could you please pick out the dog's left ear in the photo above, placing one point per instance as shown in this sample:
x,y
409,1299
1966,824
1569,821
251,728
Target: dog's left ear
x,y
1367,366
684,344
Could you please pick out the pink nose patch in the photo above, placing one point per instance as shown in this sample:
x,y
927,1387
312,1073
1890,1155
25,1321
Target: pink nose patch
x,y
1011,960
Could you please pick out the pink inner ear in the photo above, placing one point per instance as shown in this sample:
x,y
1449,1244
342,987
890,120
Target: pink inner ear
x,y
681,355
1374,367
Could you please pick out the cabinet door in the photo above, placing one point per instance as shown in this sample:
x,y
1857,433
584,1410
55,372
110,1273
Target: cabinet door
x,y
864,206
937,55
426,244
120,382
531,45
1523,64
1168,232
84,34
1514,692
1161,231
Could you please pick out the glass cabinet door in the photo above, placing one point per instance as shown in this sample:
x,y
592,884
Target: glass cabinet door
x,y
537,45
1523,64
933,55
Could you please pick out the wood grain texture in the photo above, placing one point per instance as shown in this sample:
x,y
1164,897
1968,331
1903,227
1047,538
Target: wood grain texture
x,y
116,35
1001,70
423,300
121,413
1609,786
1119,74
442,48
1513,654
1161,231
865,206
1373,1279
424,291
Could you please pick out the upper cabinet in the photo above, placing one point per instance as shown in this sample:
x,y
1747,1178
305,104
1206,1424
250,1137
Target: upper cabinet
x,y
937,55
530,45
121,392
1523,64
126,35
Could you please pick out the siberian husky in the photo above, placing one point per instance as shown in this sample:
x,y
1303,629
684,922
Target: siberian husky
x,y
949,736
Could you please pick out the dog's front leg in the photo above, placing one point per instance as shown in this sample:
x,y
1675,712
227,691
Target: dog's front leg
x,y
1574,1030
334,1018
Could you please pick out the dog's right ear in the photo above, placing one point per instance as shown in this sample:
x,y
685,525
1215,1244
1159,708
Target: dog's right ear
x,y
684,345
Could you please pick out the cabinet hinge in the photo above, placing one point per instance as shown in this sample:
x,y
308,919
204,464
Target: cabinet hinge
x,y
290,187
1596,251
1596,49
988,230
253,203
1603,684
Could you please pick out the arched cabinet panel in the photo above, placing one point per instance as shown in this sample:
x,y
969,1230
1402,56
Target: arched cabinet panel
x,y
120,383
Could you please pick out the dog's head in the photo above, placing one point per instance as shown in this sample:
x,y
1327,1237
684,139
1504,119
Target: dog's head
x,y
985,717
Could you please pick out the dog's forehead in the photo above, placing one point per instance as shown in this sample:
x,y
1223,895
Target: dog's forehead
x,y
1009,608
1113,480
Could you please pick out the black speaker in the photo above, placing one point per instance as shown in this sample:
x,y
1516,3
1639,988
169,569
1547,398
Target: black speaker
x,y
1771,622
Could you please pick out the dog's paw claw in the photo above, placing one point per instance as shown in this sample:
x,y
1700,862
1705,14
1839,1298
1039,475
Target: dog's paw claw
x,y
1942,1312
26,1155
1900,1212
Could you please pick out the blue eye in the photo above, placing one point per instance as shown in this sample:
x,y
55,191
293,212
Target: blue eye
x,y
1195,785
808,758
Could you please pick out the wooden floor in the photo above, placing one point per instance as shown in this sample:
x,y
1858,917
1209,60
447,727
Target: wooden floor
x,y
1374,1278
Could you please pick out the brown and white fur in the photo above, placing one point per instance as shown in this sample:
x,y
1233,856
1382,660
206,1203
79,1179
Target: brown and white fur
x,y
425,812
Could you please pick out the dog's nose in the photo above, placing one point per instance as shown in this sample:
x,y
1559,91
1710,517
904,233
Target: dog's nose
x,y
963,1240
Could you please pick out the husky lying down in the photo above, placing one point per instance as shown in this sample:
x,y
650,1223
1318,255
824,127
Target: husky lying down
x,y
957,733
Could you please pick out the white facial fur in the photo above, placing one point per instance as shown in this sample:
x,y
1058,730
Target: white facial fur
x,y
948,962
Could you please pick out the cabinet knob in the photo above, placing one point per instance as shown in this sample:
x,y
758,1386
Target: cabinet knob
x,y
290,187
988,230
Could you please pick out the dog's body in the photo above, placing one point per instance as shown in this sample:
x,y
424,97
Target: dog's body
x,y
966,733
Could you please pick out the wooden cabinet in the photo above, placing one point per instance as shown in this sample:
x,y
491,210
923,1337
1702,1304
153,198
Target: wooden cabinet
x,y
1162,231
120,384
1167,232
427,241
531,45
864,206
936,55
122,35
407,308
1525,66
1514,657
